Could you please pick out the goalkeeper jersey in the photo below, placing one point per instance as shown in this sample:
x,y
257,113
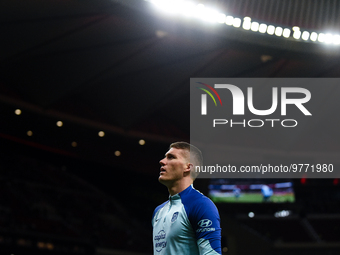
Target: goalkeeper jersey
x,y
187,224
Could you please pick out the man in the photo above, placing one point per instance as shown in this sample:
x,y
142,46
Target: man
x,y
267,192
188,223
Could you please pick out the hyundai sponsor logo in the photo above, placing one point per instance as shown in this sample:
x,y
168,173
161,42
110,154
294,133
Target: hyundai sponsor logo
x,y
204,223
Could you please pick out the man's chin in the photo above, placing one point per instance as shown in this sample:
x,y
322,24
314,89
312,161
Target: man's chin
x,y
163,180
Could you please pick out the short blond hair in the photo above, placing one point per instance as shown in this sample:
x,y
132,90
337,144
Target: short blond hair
x,y
196,157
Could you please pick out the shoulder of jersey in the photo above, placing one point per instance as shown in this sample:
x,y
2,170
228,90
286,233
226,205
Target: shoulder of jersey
x,y
193,197
159,207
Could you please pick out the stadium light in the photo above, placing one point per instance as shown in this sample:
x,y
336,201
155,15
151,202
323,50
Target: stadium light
x,y
286,33
278,31
251,215
221,18
255,26
297,35
271,30
321,37
237,22
336,39
295,28
17,111
313,36
328,38
210,15
246,23
165,5
262,28
59,123
201,12
305,35
282,214
229,20
188,9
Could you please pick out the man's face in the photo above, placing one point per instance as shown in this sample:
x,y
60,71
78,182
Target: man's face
x,y
174,165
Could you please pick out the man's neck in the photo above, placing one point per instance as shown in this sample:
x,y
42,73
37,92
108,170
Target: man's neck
x,y
179,187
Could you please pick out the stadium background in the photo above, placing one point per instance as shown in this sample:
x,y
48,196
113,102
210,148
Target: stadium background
x,y
123,68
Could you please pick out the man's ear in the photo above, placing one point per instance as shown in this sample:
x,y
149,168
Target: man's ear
x,y
189,167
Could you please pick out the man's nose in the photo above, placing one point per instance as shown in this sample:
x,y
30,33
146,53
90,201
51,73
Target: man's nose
x,y
162,162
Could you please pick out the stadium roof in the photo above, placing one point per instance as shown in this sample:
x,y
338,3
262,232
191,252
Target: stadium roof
x,y
122,68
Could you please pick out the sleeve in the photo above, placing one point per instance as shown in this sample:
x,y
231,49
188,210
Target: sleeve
x,y
205,221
